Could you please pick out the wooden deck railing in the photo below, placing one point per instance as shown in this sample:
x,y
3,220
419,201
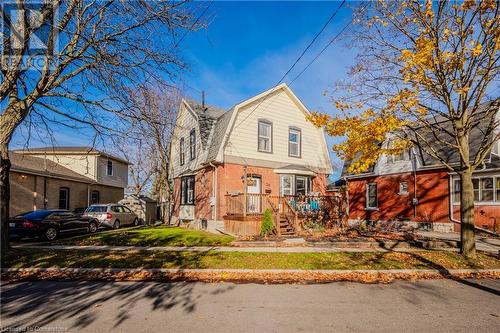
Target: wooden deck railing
x,y
256,204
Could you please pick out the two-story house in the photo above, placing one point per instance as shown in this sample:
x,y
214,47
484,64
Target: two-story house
x,y
226,165
64,178
415,187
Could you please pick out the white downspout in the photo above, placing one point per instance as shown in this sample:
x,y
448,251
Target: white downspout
x,y
450,200
214,190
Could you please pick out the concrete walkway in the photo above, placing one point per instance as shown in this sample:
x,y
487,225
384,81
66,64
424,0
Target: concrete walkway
x,y
487,244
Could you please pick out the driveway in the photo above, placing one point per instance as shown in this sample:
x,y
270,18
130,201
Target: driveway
x,y
423,306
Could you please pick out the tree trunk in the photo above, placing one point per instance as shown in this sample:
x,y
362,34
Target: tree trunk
x,y
467,238
4,198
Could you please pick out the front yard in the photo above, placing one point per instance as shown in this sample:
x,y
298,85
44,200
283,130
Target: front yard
x,y
22,258
150,236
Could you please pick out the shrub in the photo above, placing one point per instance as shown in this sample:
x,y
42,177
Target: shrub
x,y
267,226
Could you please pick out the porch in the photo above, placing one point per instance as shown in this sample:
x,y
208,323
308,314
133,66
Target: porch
x,y
244,212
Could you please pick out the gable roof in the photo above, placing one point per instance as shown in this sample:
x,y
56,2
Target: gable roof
x,y
40,166
215,124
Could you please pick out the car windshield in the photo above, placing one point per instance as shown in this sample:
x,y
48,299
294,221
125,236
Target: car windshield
x,y
97,209
37,214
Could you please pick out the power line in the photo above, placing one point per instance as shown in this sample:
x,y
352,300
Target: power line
x,y
324,49
194,23
298,59
312,42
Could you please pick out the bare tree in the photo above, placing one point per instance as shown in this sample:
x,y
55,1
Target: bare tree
x,y
426,70
154,113
94,51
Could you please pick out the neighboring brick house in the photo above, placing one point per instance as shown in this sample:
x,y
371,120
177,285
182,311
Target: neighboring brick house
x,y
266,139
64,178
414,187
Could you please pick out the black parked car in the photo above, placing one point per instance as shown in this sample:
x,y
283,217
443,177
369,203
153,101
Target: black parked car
x,y
49,224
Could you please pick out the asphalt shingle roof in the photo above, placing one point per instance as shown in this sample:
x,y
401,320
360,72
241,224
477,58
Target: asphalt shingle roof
x,y
481,121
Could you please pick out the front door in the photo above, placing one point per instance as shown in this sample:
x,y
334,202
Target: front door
x,y
254,189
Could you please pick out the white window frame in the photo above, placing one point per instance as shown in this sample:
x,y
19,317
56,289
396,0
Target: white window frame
x,y
368,196
265,137
496,190
292,185
298,132
403,191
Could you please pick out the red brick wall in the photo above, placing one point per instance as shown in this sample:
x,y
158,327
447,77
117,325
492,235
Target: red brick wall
x,y
432,192
484,216
203,193
230,179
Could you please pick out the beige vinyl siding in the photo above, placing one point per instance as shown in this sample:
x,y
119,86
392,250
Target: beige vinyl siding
x,y
280,109
83,164
120,173
185,122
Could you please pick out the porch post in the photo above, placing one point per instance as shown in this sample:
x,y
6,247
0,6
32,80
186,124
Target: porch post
x,y
244,191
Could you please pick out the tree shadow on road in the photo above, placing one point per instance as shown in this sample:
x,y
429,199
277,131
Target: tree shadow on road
x,y
443,271
48,302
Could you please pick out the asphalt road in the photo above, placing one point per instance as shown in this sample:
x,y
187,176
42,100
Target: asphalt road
x,y
423,306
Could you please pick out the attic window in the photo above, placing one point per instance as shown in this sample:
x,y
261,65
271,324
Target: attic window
x,y
403,156
192,144
109,168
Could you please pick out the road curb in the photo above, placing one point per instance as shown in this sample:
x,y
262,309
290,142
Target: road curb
x,y
241,275
266,249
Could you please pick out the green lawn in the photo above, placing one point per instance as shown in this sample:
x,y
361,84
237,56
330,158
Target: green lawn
x,y
212,259
150,236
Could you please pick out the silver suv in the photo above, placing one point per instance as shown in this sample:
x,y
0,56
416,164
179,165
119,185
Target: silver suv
x,y
112,215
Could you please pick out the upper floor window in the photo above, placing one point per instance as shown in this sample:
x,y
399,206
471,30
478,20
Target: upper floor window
x,y
403,156
109,168
265,130
181,151
371,196
192,144
294,142
496,148
63,198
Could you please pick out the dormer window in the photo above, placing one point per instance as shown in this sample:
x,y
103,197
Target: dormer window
x,y
109,168
192,144
403,156
265,133
181,152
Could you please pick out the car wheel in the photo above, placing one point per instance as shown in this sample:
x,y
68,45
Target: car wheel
x,y
92,227
50,234
136,222
116,225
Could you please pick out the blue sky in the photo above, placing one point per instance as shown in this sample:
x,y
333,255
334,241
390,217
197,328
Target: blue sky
x,y
246,49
